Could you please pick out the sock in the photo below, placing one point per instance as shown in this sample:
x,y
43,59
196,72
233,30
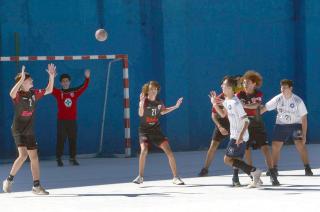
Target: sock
x,y
235,172
10,177
36,183
306,166
243,166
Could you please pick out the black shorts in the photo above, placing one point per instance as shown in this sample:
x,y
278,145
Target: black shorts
x,y
217,136
257,134
28,141
156,138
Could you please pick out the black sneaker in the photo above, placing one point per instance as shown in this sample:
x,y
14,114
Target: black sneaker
x,y
74,162
59,162
273,178
308,171
275,170
204,172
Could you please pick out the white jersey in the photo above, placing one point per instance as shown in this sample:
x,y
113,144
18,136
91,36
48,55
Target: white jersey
x,y
290,111
235,115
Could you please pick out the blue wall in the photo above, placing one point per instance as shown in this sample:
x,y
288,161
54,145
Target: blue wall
x,y
188,46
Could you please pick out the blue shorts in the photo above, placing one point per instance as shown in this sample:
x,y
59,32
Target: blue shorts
x,y
235,151
287,132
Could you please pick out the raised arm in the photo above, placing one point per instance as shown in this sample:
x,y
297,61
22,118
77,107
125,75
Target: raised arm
x,y
52,74
84,86
141,104
215,103
16,87
170,109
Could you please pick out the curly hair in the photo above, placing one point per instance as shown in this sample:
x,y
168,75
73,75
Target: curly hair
x,y
253,76
145,87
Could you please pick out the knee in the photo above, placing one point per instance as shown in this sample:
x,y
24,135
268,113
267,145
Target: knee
x,y
33,157
227,160
23,156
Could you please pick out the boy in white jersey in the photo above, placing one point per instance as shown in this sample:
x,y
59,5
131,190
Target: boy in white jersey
x,y
238,129
291,123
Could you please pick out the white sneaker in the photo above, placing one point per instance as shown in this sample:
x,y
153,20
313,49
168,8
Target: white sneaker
x,y
39,190
6,186
177,181
256,179
138,180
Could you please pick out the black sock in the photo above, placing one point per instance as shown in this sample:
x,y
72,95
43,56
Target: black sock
x,y
243,166
236,172
275,167
10,177
36,183
306,166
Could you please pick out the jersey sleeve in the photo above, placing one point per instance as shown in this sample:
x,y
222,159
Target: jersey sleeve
x,y
82,88
39,93
17,99
272,104
302,110
55,92
259,97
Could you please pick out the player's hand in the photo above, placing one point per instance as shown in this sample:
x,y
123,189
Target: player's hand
x,y
87,73
214,99
51,70
23,73
142,98
179,102
239,141
223,131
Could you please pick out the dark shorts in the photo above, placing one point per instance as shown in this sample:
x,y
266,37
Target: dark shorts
x,y
156,138
235,151
257,134
287,132
217,136
28,141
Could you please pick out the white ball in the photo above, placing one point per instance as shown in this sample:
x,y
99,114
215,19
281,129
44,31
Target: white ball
x,y
101,35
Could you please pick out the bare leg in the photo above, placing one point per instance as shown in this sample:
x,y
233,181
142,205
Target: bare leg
x,y
142,158
302,149
23,155
35,168
172,162
276,148
267,155
210,154
248,157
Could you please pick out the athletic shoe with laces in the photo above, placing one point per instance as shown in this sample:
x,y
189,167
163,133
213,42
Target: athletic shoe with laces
x,y
275,172
59,162
138,180
273,178
39,190
256,179
177,181
6,186
204,172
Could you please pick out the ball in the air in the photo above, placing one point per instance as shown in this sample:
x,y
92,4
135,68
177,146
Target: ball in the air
x,y
101,35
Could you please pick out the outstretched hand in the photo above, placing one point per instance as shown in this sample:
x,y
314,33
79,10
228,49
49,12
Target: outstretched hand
x,y
87,73
23,73
179,102
51,70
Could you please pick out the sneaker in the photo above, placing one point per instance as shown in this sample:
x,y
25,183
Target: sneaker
x,y
235,181
59,162
260,181
39,190
177,181
74,162
275,170
138,180
273,178
204,172
308,171
256,179
6,186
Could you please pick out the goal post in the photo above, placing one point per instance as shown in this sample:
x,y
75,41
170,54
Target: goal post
x,y
125,75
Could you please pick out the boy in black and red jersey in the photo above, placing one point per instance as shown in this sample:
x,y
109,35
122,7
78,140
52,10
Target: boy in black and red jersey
x,y
67,101
251,99
25,99
150,110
